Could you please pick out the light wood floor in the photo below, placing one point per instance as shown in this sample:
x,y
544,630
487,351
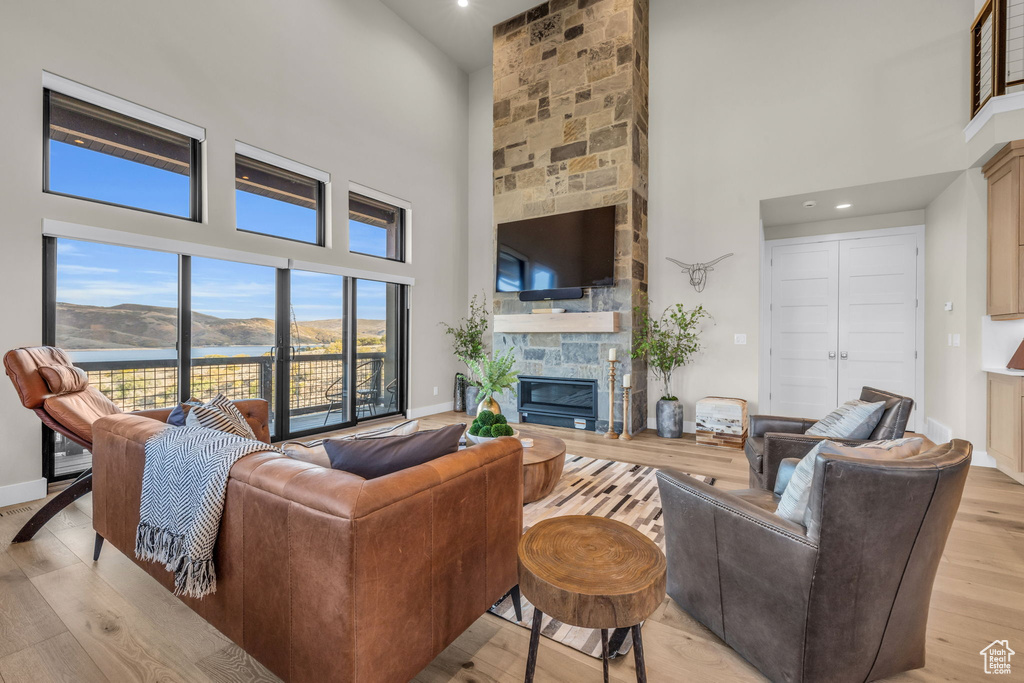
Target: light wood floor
x,y
65,618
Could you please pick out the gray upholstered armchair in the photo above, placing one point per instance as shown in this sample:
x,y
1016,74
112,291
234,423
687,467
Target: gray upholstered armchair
x,y
772,439
844,599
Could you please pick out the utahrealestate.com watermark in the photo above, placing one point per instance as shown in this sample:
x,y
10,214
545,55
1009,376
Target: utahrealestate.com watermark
x,y
997,657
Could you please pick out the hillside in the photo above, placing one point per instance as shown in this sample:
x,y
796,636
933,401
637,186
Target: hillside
x,y
137,326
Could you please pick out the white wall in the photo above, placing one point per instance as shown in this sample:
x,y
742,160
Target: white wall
x,y
481,185
878,221
341,85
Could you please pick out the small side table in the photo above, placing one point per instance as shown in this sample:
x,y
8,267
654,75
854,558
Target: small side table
x,y
591,572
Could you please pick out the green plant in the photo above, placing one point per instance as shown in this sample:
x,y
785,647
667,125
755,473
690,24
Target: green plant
x,y
474,429
485,419
500,419
485,432
487,424
495,375
502,429
468,334
667,342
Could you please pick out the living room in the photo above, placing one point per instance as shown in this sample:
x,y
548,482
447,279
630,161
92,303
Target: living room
x,y
820,192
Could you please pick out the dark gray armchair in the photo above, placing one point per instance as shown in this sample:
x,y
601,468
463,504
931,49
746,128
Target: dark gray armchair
x,y
844,599
772,439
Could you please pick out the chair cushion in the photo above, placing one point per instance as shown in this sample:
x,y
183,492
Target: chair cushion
x,y
377,456
766,500
64,379
315,453
793,504
221,414
76,412
854,419
754,450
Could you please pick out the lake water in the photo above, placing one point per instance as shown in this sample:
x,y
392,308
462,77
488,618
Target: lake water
x,y
152,354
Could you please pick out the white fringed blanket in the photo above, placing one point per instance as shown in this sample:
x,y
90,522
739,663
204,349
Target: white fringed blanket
x,y
184,483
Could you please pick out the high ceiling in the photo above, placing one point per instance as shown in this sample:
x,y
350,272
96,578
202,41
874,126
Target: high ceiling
x,y
463,33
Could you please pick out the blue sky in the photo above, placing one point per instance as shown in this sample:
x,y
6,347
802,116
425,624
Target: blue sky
x,y
105,275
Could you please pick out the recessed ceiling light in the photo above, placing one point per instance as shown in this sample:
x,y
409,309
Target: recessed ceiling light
x,y
810,204
463,3
245,177
80,142
843,206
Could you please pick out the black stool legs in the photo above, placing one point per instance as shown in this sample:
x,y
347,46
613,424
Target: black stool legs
x,y
531,657
638,650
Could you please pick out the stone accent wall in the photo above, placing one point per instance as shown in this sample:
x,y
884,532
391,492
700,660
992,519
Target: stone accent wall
x,y
570,133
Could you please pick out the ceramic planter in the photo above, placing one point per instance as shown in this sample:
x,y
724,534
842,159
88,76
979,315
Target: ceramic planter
x,y
670,419
459,401
489,404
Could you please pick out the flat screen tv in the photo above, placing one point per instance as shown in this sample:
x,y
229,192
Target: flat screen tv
x,y
552,252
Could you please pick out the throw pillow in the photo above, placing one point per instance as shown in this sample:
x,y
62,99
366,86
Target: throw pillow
x,y
221,414
796,498
853,420
377,456
177,416
64,379
314,452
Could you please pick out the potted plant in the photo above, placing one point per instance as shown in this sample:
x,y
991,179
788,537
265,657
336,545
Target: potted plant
x,y
468,345
489,426
493,376
667,343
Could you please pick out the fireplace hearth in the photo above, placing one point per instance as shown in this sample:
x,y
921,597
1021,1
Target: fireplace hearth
x,y
558,401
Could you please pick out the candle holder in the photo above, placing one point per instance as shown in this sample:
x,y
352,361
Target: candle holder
x,y
611,434
625,414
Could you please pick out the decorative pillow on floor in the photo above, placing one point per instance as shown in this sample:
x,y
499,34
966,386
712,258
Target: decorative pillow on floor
x,y
315,453
853,420
793,504
220,413
377,456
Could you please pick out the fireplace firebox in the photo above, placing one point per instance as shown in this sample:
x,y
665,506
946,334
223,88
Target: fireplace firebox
x,y
558,401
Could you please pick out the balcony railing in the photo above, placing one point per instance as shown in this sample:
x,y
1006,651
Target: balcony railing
x,y
997,51
147,384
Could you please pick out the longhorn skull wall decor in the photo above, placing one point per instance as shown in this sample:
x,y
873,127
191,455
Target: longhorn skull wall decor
x,y
698,272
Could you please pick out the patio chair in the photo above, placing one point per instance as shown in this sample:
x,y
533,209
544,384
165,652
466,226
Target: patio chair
x,y
367,388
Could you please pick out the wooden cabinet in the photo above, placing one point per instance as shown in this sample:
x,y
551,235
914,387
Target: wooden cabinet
x,y
1005,419
1006,232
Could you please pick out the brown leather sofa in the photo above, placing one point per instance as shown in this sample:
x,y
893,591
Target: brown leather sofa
x,y
324,576
772,439
844,599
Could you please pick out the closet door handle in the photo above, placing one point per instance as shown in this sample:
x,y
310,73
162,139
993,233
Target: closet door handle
x,y
831,355
844,355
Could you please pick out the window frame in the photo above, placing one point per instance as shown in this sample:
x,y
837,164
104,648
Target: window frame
x,y
195,164
321,178
404,210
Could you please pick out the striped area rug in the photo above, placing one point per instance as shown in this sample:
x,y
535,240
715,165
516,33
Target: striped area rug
x,y
616,490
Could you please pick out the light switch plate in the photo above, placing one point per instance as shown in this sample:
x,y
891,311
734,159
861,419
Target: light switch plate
x,y
740,339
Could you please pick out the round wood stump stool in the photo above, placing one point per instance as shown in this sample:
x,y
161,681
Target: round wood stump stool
x,y
591,572
542,466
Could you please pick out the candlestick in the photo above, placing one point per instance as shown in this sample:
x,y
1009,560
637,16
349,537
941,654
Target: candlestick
x,y
625,409
613,354
611,434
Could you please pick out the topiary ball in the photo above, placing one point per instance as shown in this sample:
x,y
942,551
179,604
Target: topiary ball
x,y
500,420
501,430
474,429
485,432
485,418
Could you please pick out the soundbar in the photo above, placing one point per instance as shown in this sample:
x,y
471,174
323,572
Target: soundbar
x,y
552,294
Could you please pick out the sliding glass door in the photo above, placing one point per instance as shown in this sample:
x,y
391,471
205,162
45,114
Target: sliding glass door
x,y
153,328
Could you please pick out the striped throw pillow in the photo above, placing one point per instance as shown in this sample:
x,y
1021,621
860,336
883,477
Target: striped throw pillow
x,y
221,414
853,420
797,495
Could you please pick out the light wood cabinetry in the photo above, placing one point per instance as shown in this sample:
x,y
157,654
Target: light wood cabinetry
x,y
1005,419
1006,232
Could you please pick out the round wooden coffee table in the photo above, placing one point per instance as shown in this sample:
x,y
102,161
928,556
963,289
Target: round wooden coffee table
x,y
542,466
591,572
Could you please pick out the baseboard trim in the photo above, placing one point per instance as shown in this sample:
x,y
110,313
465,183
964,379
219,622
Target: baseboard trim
x,y
26,491
415,413
982,459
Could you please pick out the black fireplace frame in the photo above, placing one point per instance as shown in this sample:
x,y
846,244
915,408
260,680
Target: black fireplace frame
x,y
554,417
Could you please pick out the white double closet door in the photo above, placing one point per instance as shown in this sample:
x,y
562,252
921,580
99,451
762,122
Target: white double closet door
x,y
844,314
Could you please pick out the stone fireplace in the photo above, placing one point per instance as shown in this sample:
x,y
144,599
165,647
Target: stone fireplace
x,y
570,133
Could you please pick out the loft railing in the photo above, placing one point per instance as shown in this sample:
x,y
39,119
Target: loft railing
x,y
997,51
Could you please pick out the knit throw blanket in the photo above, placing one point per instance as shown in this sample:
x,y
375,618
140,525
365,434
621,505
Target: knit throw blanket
x,y
184,483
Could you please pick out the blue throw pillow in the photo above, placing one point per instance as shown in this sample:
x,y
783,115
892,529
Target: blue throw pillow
x,y
178,415
853,420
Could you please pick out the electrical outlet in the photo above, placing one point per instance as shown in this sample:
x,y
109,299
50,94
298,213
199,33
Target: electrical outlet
x,y
740,339
949,306
435,391
956,340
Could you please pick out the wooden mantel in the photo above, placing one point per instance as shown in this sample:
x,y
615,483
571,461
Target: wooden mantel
x,y
595,323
